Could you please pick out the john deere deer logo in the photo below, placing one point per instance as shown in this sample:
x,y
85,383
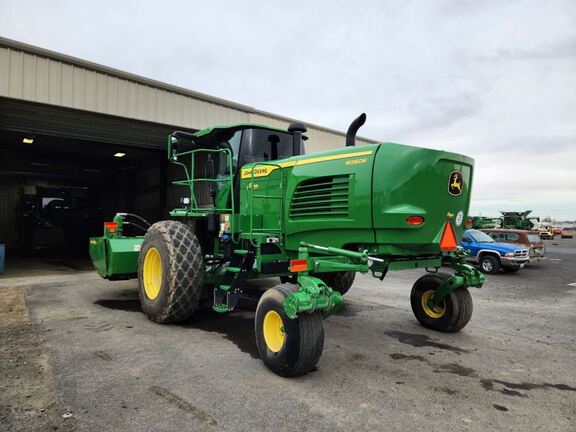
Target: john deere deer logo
x,y
455,183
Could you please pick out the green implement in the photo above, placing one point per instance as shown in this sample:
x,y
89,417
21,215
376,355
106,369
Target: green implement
x,y
256,206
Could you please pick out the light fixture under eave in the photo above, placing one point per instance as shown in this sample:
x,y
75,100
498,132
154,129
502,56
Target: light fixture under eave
x,y
119,154
28,139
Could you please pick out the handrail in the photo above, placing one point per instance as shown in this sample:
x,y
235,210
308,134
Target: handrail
x,y
191,181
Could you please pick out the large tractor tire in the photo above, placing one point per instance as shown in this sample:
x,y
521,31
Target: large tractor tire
x,y
453,312
170,272
339,281
288,347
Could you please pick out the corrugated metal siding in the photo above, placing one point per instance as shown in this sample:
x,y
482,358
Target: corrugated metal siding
x,y
30,77
37,75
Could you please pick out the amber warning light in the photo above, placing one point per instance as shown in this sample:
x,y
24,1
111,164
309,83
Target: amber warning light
x,y
111,226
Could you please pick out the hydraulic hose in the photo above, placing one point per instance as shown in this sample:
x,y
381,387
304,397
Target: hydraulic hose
x,y
134,216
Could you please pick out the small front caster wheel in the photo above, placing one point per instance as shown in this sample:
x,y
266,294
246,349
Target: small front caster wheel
x,y
453,312
288,347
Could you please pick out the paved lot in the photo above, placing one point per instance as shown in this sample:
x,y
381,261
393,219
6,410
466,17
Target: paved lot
x,y
80,347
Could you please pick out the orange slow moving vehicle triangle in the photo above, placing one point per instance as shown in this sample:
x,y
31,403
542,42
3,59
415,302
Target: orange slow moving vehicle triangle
x,y
448,240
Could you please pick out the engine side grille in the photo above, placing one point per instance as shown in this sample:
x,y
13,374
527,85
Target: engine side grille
x,y
323,196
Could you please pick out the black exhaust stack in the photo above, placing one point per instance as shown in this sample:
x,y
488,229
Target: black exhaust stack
x,y
297,129
353,129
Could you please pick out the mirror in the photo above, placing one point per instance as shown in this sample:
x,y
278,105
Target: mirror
x,y
174,147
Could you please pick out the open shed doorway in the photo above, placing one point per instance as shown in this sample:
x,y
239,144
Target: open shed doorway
x,y
56,192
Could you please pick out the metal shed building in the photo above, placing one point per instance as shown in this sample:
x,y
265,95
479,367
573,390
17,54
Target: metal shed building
x,y
64,122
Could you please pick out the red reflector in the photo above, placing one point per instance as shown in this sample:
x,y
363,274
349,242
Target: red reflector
x,y
111,226
298,265
469,223
415,220
448,240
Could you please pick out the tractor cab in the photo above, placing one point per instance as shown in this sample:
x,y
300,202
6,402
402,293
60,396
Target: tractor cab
x,y
247,142
211,160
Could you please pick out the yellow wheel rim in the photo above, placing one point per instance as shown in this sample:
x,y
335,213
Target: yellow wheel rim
x,y
436,311
274,331
152,273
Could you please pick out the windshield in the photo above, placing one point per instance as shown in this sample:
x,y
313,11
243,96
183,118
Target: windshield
x,y
480,237
263,145
534,238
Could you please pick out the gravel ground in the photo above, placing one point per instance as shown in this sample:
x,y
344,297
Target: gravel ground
x,y
77,354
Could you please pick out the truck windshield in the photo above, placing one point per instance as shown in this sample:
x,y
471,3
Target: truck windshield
x,y
480,237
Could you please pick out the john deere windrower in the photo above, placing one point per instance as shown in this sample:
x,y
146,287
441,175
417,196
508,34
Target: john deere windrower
x,y
254,206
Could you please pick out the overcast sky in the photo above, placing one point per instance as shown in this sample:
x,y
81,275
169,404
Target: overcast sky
x,y
493,79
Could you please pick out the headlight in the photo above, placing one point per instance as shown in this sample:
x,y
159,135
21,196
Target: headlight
x,y
509,254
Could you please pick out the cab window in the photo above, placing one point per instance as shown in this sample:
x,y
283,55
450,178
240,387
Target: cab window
x,y
261,145
512,237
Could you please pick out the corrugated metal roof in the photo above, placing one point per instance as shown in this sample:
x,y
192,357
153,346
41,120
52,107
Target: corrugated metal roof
x,y
91,66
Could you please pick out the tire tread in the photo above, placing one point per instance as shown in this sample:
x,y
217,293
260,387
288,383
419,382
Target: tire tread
x,y
187,271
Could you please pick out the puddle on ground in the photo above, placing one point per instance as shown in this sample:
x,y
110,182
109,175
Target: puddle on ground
x,y
399,356
510,388
457,369
500,407
420,340
451,368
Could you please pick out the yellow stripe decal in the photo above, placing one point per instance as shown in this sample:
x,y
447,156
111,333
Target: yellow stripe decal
x,y
264,170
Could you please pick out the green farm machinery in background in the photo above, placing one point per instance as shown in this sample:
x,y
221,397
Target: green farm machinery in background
x,y
518,220
255,206
482,222
508,220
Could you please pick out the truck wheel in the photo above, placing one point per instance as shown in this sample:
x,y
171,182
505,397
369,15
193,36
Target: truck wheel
x,y
339,281
453,312
170,272
489,264
288,347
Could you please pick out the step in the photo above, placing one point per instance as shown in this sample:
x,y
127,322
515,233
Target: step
x,y
241,252
220,308
233,269
224,287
